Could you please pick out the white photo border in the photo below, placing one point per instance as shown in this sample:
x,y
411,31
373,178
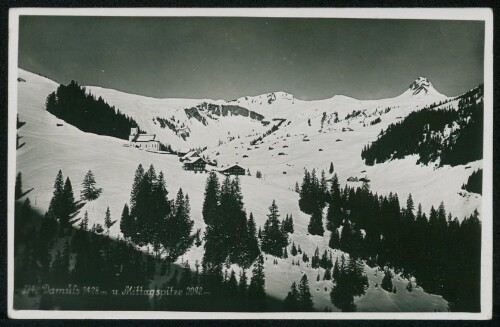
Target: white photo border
x,y
466,14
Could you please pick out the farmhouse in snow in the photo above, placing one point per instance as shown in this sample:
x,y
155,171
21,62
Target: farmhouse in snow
x,y
143,141
191,155
194,164
233,170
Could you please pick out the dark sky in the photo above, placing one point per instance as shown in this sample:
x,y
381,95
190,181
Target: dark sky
x,y
231,57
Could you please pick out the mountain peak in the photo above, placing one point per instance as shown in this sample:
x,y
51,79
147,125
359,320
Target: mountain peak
x,y
422,85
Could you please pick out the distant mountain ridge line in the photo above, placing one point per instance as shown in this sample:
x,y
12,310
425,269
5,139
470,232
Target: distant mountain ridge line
x,y
266,94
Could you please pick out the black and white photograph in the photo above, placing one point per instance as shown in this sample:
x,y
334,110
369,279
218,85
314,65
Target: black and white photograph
x,y
255,163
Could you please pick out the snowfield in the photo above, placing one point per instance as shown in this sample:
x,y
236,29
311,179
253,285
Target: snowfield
x,y
50,147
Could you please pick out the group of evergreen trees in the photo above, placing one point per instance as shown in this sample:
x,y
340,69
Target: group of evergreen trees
x,y
299,298
349,280
423,133
314,196
474,182
313,192
81,109
78,257
275,233
85,256
229,236
438,250
62,205
154,220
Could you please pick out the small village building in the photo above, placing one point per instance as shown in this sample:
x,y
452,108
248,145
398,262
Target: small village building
x,y
233,170
143,141
195,164
191,155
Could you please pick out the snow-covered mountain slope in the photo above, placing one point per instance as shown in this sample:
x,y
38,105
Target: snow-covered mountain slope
x,y
49,147
184,123
192,123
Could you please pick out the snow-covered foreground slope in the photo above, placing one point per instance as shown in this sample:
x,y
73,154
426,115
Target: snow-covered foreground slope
x,y
49,148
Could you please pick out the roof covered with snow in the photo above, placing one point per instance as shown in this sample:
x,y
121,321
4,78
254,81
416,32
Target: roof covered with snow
x,y
193,160
191,154
145,138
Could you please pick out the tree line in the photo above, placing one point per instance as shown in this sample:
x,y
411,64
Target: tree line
x,y
423,133
73,104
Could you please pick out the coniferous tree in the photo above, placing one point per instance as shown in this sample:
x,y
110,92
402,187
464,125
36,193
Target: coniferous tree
x,y
139,174
212,198
177,237
126,223
84,223
257,288
251,244
387,281
242,286
305,297
328,274
288,224
336,270
334,242
323,189
108,223
90,191
19,186
331,168
293,251
56,206
315,226
69,197
273,239
315,259
291,303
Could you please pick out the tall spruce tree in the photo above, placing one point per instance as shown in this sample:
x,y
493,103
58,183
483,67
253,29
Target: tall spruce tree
x,y
273,238
212,198
57,203
291,303
108,223
305,297
177,238
251,244
126,223
139,174
90,191
387,281
257,288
